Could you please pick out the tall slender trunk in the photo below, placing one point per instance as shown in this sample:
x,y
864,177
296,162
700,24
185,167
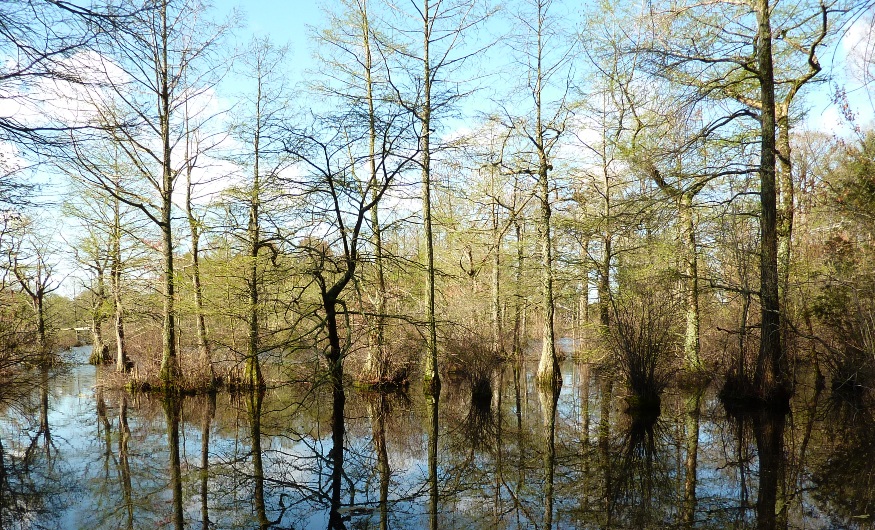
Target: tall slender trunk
x,y
691,336
548,367
604,287
252,371
376,367
115,275
169,365
768,379
497,332
785,199
203,345
42,332
430,372
605,280
518,298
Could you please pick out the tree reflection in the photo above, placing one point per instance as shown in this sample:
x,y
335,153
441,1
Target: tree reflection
x,y
769,434
692,406
208,413
433,400
253,405
335,455
845,478
549,397
604,443
124,462
321,456
478,426
172,411
29,487
378,409
45,430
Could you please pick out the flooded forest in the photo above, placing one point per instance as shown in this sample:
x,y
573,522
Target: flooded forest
x,y
437,264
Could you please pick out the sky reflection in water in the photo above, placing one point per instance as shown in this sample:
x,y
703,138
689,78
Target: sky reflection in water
x,y
102,459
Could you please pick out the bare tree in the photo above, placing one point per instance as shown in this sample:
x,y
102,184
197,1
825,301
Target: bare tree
x,y
162,59
340,204
546,55
360,79
30,262
443,25
259,125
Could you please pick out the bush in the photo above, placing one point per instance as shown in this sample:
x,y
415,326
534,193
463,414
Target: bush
x,y
643,337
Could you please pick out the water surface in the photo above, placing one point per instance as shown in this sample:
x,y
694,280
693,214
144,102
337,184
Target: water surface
x,y
502,455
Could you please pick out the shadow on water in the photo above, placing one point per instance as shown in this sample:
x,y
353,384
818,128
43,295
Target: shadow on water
x,y
495,453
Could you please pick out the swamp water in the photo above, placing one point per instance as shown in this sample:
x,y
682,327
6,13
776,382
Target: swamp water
x,y
71,457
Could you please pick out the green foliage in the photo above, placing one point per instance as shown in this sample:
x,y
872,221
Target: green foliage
x,y
854,182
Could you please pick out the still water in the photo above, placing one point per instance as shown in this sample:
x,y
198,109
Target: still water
x,y
506,457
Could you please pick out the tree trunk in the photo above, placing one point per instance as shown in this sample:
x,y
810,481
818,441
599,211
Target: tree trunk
x,y
203,346
785,198
605,281
99,349
768,379
252,371
517,301
691,336
376,366
169,365
430,372
497,340
42,334
121,361
548,367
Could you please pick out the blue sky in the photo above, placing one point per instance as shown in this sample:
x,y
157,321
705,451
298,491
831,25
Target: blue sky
x,y
284,21
289,22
